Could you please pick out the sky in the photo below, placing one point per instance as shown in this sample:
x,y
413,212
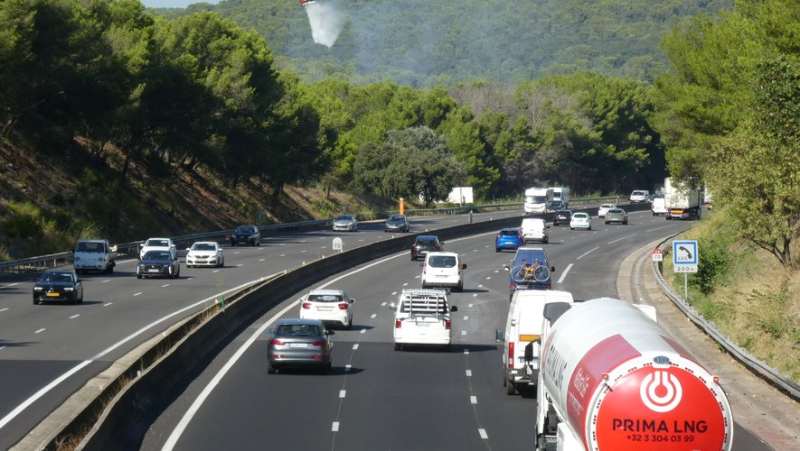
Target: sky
x,y
174,3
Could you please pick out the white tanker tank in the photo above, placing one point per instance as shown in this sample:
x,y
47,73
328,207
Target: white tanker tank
x,y
612,379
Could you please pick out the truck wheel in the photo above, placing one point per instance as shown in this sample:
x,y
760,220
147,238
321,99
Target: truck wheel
x,y
138,276
510,389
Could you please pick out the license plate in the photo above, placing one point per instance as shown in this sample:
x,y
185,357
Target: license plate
x,y
298,345
324,309
53,295
423,324
152,270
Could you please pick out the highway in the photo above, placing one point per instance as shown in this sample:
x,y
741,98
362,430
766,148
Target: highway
x,y
378,398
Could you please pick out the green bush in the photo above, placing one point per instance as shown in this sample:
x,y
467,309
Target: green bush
x,y
25,221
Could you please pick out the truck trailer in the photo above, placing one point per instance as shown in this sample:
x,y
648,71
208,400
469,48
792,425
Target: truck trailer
x,y
682,202
611,379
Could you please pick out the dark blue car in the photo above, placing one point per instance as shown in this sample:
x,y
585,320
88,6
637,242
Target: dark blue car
x,y
529,270
508,238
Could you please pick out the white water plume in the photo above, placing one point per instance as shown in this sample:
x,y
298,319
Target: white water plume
x,y
326,21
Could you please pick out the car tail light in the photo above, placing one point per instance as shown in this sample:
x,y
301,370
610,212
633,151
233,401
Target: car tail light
x,y
511,355
499,236
519,237
398,324
343,306
317,357
318,343
447,324
275,341
306,305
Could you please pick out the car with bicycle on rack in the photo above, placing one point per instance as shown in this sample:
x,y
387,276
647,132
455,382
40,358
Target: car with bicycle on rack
x,y
529,269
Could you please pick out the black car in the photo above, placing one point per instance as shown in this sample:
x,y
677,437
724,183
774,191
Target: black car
x,y
555,205
246,235
424,244
62,286
159,264
397,223
562,217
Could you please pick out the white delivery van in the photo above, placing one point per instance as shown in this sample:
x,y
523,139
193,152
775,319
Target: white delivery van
x,y
422,317
659,206
443,269
534,229
523,329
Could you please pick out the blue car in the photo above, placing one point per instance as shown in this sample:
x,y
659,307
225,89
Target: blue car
x,y
529,270
508,238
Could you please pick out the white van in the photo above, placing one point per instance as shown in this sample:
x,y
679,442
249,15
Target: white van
x,y
422,317
659,206
534,229
523,329
443,269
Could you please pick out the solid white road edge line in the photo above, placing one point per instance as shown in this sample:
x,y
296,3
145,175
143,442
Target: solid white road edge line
x,y
201,398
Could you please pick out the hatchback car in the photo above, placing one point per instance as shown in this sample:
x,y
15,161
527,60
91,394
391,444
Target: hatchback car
x,y
246,234
424,244
346,223
329,306
616,215
397,223
508,238
601,212
562,217
155,244
159,264
580,221
299,343
61,286
205,253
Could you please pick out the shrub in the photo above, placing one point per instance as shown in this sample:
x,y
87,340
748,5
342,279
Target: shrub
x,y
25,221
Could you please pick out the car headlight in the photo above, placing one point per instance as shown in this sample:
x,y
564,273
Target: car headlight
x,y
37,288
68,289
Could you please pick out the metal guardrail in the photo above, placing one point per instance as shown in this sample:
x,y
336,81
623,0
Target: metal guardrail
x,y
38,264
758,367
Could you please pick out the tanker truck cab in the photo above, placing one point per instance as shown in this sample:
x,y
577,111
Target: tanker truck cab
x,y
522,336
422,317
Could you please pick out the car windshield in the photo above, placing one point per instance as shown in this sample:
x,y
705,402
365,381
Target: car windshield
x,y
57,277
85,246
324,298
344,218
509,233
638,193
244,229
156,255
580,216
157,243
203,247
298,330
441,261
396,218
607,206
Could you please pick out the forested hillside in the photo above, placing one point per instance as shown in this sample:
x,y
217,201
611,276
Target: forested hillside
x,y
425,43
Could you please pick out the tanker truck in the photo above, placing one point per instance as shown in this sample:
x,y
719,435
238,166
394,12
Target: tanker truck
x,y
611,379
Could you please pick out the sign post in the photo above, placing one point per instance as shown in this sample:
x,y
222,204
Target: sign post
x,y
685,256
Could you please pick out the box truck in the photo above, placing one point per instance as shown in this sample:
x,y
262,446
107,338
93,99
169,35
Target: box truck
x,y
536,199
682,202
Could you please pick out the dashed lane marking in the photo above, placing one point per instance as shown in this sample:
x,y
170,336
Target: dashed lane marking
x,y
335,427
137,294
40,331
587,253
355,346
469,373
3,309
623,238
107,304
342,393
473,399
165,285
373,316
74,316
564,274
483,433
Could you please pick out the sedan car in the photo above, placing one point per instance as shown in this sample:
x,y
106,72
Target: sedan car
x,y
601,212
329,306
555,205
424,244
397,223
159,264
508,238
346,223
616,215
299,343
205,253
562,217
156,244
580,221
62,286
246,234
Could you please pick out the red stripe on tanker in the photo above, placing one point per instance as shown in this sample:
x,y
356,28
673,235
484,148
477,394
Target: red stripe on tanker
x,y
619,382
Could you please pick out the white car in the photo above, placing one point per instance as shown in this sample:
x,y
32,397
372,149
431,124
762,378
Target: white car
x,y
443,269
580,221
156,244
640,195
422,318
601,212
328,306
534,229
205,253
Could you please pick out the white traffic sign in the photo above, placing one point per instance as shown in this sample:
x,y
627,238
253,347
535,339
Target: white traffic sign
x,y
658,255
685,256
337,244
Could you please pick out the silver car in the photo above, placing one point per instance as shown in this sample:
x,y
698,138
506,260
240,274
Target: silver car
x,y
397,223
616,215
299,343
347,223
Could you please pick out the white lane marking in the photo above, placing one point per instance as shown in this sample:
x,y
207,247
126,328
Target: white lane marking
x,y
335,427
355,346
3,309
348,367
463,332
587,253
261,259
282,255
473,399
363,331
240,265
165,285
215,271
623,238
11,285
106,281
342,393
3,347
323,247
466,318
657,228
303,251
564,274
405,284
107,304
383,304
200,399
475,295
480,286
237,252
373,315
483,433
74,316
470,306
137,294
488,277
394,293
466,351
469,373
40,331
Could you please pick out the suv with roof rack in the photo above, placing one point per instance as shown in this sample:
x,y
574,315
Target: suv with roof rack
x,y
422,317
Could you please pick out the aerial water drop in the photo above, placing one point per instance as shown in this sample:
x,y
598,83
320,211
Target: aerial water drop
x,y
326,20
